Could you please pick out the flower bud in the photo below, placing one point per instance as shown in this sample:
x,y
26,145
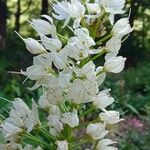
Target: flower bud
x,y
104,145
97,131
33,46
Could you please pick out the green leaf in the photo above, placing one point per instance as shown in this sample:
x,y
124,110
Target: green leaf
x,y
132,108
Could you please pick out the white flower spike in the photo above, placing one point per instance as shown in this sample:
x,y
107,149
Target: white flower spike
x,y
68,78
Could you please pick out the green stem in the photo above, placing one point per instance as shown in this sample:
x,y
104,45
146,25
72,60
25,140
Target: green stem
x,y
103,39
35,139
88,111
62,37
79,144
47,134
98,55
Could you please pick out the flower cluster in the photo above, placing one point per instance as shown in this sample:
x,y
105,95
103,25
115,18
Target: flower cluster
x,y
64,68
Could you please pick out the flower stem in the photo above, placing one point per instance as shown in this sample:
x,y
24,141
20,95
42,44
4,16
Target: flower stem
x,y
103,39
79,144
98,55
62,37
35,139
47,134
87,111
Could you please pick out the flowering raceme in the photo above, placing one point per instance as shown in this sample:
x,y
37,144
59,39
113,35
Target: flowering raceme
x,y
64,69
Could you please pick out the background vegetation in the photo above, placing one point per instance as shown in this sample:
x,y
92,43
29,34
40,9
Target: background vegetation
x,y
131,88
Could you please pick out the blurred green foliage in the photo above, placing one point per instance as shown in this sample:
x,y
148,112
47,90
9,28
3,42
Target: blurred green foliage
x,y
132,94
132,88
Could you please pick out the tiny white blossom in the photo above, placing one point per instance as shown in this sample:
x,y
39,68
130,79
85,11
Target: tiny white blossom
x,y
33,46
122,27
104,144
70,118
113,7
78,47
66,10
42,66
85,86
57,88
53,45
21,117
62,145
44,27
110,117
103,99
43,102
97,130
114,44
94,10
54,122
9,129
59,59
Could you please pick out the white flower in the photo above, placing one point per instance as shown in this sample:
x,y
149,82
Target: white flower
x,y
54,122
113,7
97,131
70,118
110,117
59,59
83,35
94,9
57,88
114,64
33,46
103,99
62,145
122,27
53,45
46,104
35,72
84,86
40,69
87,71
43,102
44,27
21,116
78,47
114,44
82,91
66,10
9,129
105,145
